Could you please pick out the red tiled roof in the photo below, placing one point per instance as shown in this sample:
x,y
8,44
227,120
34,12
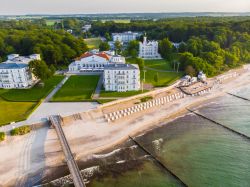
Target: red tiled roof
x,y
88,54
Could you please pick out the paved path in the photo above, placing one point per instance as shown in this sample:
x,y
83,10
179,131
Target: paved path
x,y
98,88
73,167
47,109
56,89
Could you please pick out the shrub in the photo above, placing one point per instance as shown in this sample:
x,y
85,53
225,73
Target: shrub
x,y
20,130
145,99
2,136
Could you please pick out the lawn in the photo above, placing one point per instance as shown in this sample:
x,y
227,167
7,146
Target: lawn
x,y
165,78
77,88
17,104
93,43
120,94
34,94
102,101
158,64
14,111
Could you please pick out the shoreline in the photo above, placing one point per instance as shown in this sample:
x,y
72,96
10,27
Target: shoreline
x,y
93,135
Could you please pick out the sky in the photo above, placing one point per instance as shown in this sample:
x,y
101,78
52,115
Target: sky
x,y
17,7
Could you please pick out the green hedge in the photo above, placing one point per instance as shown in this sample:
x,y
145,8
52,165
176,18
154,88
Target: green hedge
x,y
2,136
20,130
145,99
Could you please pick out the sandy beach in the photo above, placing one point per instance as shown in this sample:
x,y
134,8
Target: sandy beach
x,y
34,155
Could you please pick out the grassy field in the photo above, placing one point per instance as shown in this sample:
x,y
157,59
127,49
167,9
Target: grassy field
x,y
158,64
120,94
17,104
118,21
165,78
14,111
77,88
50,22
93,43
34,94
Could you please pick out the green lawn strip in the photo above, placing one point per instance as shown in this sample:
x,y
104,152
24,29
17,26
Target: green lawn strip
x,y
93,43
33,94
120,94
102,101
158,64
165,78
15,111
77,88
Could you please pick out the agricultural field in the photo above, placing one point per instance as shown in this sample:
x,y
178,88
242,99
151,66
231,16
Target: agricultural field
x,y
77,88
93,43
50,22
118,20
18,104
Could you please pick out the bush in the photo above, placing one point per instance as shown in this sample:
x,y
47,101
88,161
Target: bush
x,y
145,99
20,130
2,136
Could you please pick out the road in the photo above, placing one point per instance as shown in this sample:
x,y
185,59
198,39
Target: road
x,y
73,168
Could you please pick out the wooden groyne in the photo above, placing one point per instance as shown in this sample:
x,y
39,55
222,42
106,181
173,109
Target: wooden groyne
x,y
240,97
158,161
217,123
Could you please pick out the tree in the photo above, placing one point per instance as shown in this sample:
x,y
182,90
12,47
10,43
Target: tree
x,y
133,48
104,46
166,49
140,63
118,47
52,69
190,71
156,77
40,69
107,36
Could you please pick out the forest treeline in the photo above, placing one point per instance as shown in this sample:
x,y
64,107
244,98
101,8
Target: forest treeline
x,y
208,43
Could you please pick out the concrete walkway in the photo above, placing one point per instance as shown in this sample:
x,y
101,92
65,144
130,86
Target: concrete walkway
x,y
98,88
58,87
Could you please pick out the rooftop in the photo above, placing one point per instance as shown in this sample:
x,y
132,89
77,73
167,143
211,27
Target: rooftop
x,y
121,67
12,65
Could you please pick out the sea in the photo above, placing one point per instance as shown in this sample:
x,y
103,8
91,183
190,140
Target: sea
x,y
188,151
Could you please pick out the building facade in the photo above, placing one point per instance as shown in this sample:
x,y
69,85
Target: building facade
x,y
149,49
125,37
121,77
94,61
15,72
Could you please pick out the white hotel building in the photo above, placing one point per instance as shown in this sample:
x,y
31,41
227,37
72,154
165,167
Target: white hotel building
x,y
94,61
15,73
121,77
149,49
125,37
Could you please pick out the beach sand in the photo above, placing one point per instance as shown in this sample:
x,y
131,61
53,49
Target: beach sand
x,y
39,152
